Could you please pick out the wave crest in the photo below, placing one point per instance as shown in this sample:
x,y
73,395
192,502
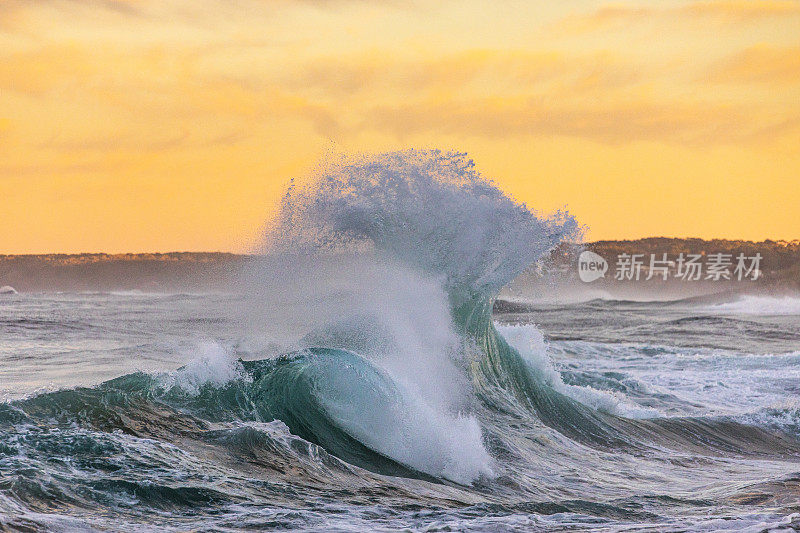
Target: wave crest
x,y
427,209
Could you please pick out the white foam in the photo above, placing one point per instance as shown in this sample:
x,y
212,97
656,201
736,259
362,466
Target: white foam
x,y
759,305
531,345
212,365
399,320
783,415
693,381
8,289
750,523
417,434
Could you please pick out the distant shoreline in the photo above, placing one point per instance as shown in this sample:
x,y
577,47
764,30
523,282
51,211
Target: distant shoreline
x,y
198,271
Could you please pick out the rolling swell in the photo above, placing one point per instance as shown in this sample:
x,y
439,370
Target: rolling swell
x,y
427,211
433,212
397,376
501,368
309,391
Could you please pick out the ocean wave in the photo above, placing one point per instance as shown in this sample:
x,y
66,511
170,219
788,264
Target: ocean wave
x,y
759,305
782,417
375,372
530,344
212,365
397,258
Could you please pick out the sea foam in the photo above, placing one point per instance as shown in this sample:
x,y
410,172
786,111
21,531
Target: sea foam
x,y
759,305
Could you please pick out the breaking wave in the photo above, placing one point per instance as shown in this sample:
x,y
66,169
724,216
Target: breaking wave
x,y
376,285
759,305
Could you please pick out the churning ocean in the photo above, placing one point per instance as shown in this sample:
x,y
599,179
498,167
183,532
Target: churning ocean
x,y
357,380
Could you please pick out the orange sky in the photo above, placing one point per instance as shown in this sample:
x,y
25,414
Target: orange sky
x,y
175,125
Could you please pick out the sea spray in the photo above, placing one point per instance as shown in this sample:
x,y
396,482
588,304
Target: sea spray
x,y
372,255
212,365
427,209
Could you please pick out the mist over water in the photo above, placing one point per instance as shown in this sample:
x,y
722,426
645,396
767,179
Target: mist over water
x,y
426,209
371,256
357,380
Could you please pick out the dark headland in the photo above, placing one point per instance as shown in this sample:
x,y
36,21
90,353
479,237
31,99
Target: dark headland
x,y
207,271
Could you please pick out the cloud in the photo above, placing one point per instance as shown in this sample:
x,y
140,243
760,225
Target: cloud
x,y
604,97
134,80
505,72
684,123
159,101
741,9
714,11
762,64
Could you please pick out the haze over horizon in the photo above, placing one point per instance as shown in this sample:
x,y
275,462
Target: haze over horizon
x,y
255,251
143,126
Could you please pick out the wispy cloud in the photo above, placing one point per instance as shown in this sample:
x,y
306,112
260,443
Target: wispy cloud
x,y
158,94
619,122
505,72
715,11
604,97
762,64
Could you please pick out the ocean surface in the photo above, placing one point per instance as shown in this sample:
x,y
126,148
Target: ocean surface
x,y
358,380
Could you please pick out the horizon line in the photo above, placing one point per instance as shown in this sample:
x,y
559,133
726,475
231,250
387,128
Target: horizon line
x,y
253,253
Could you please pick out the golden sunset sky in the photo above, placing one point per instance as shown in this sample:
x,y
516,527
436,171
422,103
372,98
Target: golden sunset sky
x,y
175,125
